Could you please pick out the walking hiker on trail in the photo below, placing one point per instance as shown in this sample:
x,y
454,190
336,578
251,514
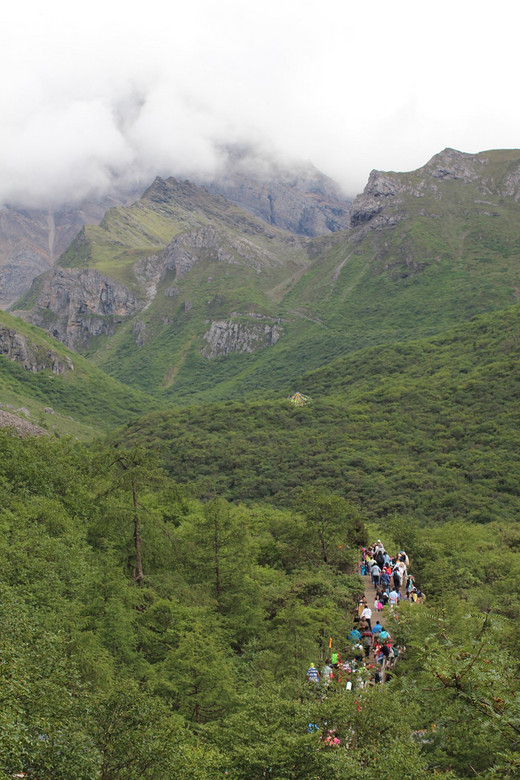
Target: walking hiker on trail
x,y
354,636
361,606
367,614
326,673
393,597
335,660
313,675
366,636
376,572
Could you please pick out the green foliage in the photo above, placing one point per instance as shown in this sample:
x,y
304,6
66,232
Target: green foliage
x,y
426,429
100,677
84,401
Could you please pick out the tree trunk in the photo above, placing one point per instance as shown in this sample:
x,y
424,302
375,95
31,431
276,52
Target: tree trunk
x,y
323,546
218,584
139,577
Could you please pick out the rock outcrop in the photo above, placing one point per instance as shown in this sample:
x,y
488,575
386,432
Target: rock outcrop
x,y
33,358
381,189
216,246
226,336
379,204
76,305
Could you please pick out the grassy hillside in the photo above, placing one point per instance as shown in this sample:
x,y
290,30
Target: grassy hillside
x,y
85,401
430,249
428,427
450,251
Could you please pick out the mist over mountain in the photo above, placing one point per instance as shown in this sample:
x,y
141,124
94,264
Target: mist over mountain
x,y
293,196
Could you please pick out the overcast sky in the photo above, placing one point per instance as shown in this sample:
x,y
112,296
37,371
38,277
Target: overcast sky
x,y
115,88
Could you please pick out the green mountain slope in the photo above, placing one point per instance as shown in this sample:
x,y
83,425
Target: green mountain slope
x,y
428,427
58,389
232,306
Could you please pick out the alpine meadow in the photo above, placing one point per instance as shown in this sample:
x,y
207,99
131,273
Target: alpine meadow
x,y
241,419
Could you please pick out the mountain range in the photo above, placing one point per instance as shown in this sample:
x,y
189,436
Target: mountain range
x,y
189,295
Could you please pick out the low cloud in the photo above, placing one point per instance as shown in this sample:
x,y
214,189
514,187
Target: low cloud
x,y
105,97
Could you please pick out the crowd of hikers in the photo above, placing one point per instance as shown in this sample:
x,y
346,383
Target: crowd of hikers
x,y
369,652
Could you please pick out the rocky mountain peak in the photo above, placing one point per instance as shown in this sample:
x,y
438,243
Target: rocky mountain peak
x,y
452,164
489,174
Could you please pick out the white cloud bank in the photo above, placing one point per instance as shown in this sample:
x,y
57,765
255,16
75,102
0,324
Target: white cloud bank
x,y
108,91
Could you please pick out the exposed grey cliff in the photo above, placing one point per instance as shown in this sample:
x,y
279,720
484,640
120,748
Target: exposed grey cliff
x,y
75,305
225,336
216,246
33,358
381,190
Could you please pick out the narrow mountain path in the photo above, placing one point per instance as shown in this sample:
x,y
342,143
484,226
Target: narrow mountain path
x,y
370,595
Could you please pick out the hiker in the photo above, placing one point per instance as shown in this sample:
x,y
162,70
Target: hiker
x,y
326,673
354,636
386,653
367,614
335,660
361,606
375,572
313,675
377,628
393,597
366,636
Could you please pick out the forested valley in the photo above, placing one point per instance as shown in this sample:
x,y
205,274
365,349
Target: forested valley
x,y
147,633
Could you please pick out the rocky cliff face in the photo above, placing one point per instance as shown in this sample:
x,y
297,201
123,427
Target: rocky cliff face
x,y
226,336
31,240
18,348
382,190
76,305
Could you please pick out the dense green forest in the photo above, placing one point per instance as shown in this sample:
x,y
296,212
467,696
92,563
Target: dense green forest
x,y
145,633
